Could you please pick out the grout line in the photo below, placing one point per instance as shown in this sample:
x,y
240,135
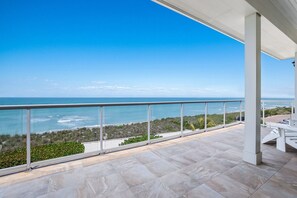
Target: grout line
x,y
270,178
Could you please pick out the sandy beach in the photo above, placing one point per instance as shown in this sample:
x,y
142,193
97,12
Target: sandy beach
x,y
114,143
277,118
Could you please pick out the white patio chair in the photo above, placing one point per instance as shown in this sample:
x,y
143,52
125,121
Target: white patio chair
x,y
283,133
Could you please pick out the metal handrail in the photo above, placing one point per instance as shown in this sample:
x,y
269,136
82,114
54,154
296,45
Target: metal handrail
x,y
47,106
278,101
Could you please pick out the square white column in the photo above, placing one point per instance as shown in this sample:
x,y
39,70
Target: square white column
x,y
252,132
295,84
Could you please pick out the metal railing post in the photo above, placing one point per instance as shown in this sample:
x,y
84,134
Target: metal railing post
x,y
263,113
182,119
101,127
240,112
224,113
292,110
149,124
205,116
28,140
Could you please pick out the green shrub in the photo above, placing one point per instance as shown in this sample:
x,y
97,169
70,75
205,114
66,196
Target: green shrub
x,y
211,123
138,139
277,111
39,153
192,126
200,124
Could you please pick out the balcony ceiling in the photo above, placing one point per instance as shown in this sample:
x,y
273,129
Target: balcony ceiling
x,y
279,20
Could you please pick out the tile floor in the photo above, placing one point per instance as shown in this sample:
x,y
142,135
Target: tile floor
x,y
202,165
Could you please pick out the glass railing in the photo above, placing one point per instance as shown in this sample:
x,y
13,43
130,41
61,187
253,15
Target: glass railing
x,y
14,131
276,110
38,135
123,125
194,117
233,112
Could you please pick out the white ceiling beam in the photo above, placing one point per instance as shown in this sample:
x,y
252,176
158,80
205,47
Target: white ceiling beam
x,y
273,14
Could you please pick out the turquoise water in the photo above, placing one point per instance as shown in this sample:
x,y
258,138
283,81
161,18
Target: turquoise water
x,y
13,121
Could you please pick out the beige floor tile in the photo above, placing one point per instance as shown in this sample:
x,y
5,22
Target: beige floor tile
x,y
153,189
195,155
106,185
292,164
287,175
180,183
218,164
136,175
249,175
233,155
203,191
160,167
126,194
274,189
199,173
147,157
229,187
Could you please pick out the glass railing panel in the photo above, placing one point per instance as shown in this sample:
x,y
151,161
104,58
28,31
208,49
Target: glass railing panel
x,y
60,132
12,138
242,111
232,112
194,117
166,121
277,107
124,125
215,114
276,110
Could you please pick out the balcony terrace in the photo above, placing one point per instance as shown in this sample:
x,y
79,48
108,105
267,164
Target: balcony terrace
x,y
203,165
204,162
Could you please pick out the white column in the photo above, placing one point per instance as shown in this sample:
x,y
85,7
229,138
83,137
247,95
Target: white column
x,y
294,115
252,132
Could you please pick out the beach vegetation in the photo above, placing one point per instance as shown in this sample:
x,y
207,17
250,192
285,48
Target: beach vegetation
x,y
138,139
200,124
39,153
277,111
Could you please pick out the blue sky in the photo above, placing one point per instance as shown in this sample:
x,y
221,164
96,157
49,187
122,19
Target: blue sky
x,y
132,48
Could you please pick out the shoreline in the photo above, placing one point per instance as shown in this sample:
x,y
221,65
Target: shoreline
x,y
121,124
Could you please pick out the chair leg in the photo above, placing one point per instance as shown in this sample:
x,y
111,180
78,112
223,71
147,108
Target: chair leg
x,y
271,136
281,141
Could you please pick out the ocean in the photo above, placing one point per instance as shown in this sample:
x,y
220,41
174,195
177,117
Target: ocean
x,y
12,122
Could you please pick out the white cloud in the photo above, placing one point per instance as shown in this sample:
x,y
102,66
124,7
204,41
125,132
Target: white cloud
x,y
51,88
100,88
99,82
104,87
